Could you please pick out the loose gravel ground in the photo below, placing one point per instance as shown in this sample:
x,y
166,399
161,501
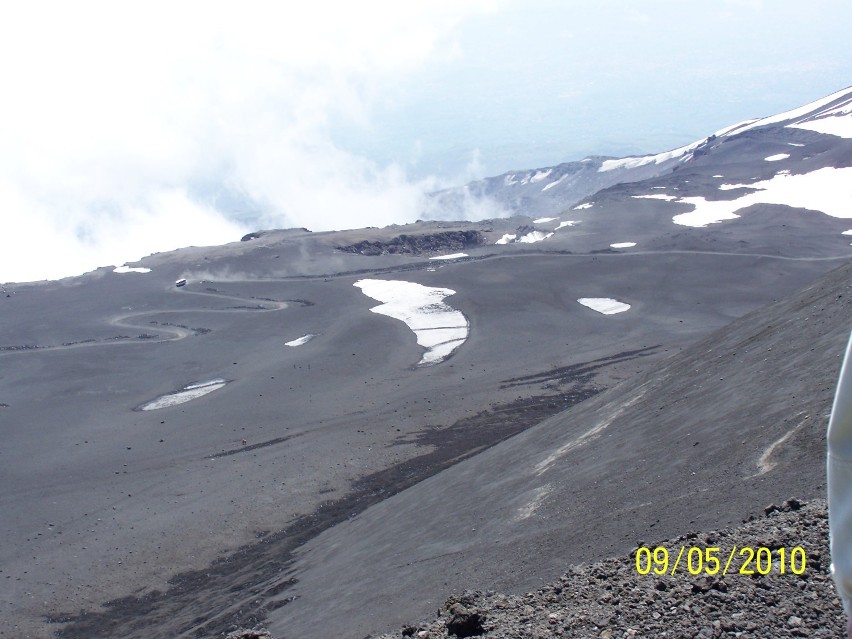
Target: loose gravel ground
x,y
610,600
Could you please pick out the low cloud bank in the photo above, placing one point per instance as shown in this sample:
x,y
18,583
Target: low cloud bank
x,y
116,149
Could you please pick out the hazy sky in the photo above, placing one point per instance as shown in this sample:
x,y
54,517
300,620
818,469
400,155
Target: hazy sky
x,y
128,128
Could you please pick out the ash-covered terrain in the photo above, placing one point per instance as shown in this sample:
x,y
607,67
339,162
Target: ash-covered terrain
x,y
329,433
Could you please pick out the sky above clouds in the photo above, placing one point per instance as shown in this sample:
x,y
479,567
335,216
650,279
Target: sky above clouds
x,y
132,128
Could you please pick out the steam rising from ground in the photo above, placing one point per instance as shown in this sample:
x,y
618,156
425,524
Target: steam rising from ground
x,y
143,129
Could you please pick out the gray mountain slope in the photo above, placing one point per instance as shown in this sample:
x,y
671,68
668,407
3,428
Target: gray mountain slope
x,y
186,518
735,421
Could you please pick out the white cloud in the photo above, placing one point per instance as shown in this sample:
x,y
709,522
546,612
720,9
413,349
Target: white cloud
x,y
127,129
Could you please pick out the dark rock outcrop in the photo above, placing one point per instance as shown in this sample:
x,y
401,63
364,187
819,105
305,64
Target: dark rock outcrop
x,y
418,244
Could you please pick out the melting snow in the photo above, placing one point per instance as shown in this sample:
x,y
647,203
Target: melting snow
x,y
605,305
543,220
656,196
304,339
831,125
718,176
534,236
779,156
705,212
567,223
130,269
849,232
509,180
794,144
509,237
438,327
587,205
554,183
731,187
823,190
793,114
540,175
193,391
632,163
623,245
451,256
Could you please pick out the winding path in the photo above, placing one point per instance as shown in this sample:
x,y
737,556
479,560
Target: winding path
x,y
176,332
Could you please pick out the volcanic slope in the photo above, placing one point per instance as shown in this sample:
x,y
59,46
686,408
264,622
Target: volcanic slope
x,y
167,449
779,138
701,441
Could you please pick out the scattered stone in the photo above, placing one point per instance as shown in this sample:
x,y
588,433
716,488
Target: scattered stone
x,y
610,600
464,622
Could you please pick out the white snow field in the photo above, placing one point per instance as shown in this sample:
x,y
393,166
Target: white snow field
x,y
439,328
304,339
530,238
543,220
451,256
587,205
793,114
828,190
659,158
534,236
604,305
193,391
656,196
834,122
540,175
831,121
849,232
554,183
131,269
562,225
623,244
778,156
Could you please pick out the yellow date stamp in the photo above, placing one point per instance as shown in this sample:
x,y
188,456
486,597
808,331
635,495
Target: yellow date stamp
x,y
711,560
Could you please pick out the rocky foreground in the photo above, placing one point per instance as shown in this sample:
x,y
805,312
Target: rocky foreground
x,y
609,599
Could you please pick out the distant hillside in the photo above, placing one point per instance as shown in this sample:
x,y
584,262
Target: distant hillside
x,y
552,190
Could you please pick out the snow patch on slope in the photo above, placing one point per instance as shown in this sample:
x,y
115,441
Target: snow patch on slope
x,y
656,196
792,114
540,175
193,391
439,328
534,236
304,339
130,269
451,256
604,305
827,190
562,225
554,183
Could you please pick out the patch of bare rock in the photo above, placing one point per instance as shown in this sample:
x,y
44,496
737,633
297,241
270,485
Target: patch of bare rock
x,y
418,244
610,600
